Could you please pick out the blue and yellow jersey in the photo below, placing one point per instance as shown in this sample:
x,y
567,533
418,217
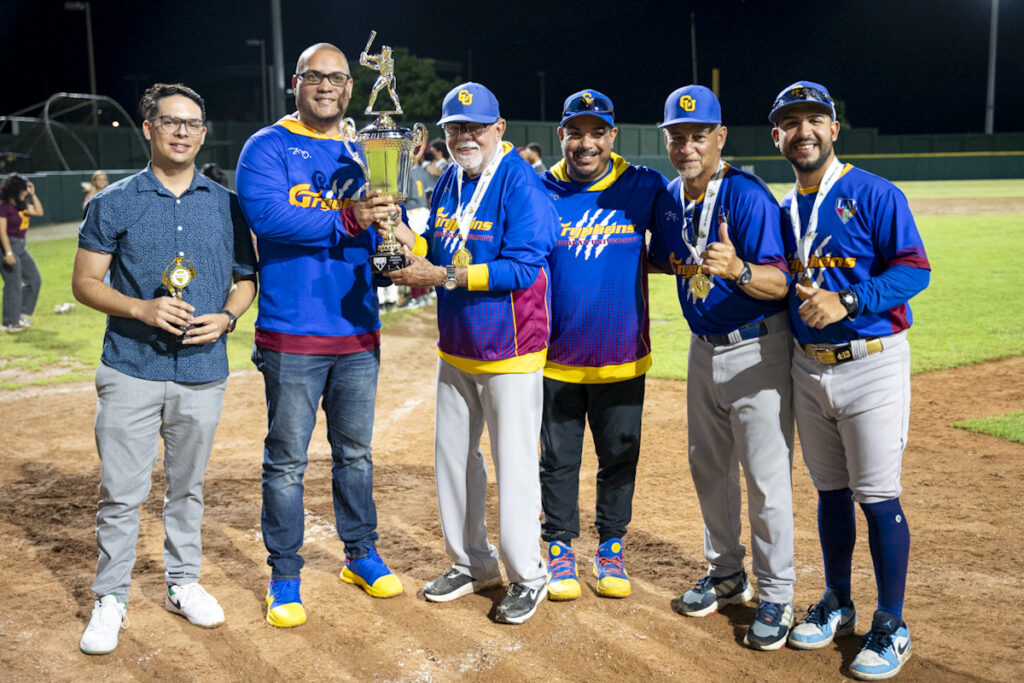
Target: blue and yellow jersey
x,y
600,330
316,289
499,323
867,241
754,229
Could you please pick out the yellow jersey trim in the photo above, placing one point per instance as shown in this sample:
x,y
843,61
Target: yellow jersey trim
x,y
809,190
420,246
526,364
619,166
478,277
725,169
293,125
602,375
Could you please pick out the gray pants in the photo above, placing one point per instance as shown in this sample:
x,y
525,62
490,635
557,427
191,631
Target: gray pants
x,y
21,284
740,412
131,415
510,405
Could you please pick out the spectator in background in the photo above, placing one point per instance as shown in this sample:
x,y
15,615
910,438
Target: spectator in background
x,y
441,157
98,182
532,155
18,201
215,173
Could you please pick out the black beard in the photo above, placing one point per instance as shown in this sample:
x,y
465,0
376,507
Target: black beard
x,y
811,166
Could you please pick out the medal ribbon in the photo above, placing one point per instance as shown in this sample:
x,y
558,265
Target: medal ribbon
x,y
804,243
464,217
697,246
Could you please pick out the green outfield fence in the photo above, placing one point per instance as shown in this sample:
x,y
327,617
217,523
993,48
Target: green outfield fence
x,y
897,157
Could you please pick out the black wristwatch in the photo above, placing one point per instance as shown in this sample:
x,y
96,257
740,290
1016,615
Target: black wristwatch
x,y
851,301
745,275
232,320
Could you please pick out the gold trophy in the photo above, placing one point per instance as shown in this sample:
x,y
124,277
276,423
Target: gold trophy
x,y
388,151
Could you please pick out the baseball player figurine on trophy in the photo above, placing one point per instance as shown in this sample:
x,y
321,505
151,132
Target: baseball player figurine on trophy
x,y
388,152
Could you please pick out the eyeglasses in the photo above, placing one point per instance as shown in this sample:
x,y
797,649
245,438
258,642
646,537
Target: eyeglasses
x,y
588,104
169,125
311,77
803,94
474,129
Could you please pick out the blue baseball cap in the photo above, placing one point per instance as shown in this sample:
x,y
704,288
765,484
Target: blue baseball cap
x,y
802,92
469,103
692,104
588,103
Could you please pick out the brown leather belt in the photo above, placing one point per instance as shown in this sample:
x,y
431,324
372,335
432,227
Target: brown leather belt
x,y
839,354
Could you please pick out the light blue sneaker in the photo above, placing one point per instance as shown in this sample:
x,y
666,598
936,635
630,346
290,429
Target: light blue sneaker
x,y
825,621
886,649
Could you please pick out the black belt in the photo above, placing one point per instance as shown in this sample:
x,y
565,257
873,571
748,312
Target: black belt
x,y
750,331
840,353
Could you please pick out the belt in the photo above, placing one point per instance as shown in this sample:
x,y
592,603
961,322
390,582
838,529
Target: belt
x,y
746,332
840,353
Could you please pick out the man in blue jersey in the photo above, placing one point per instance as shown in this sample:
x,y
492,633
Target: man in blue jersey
x,y
318,329
485,249
859,258
732,278
600,339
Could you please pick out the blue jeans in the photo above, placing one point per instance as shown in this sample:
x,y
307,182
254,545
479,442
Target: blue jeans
x,y
294,385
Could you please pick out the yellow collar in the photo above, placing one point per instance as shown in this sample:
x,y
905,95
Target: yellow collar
x,y
619,166
293,125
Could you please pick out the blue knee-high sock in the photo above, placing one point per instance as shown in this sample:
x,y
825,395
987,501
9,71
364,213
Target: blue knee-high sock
x,y
889,538
837,529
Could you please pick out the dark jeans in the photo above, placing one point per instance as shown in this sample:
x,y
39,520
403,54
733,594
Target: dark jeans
x,y
21,283
295,384
614,411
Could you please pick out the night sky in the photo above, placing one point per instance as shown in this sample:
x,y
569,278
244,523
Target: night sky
x,y
902,66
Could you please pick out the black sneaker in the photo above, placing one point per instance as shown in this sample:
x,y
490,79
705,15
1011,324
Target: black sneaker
x,y
520,603
455,583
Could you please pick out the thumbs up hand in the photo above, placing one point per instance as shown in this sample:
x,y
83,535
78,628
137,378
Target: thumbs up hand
x,y
720,257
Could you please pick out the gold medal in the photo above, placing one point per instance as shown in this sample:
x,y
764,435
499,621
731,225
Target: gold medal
x,y
177,275
700,285
462,257
806,281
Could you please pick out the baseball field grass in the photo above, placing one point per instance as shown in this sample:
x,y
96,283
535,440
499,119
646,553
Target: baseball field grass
x,y
1009,426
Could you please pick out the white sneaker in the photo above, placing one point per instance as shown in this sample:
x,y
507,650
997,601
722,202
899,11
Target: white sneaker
x,y
195,604
108,618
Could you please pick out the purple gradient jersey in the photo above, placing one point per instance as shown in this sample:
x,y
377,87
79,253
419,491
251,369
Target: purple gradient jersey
x,y
864,228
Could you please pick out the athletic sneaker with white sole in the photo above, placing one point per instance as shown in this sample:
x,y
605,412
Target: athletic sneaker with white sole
x,y
520,603
771,625
711,593
826,620
886,649
108,618
455,583
191,601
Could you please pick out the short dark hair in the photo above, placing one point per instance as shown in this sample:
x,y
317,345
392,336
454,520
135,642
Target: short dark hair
x,y
215,173
148,104
11,186
440,147
536,148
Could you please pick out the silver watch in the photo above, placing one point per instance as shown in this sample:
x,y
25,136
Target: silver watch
x,y
450,282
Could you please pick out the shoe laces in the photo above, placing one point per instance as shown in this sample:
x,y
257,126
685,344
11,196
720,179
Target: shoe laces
x,y
563,566
614,565
190,593
113,614
769,612
704,584
518,590
877,640
816,614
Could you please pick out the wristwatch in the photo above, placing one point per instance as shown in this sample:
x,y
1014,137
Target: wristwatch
x,y
745,275
450,282
232,320
851,301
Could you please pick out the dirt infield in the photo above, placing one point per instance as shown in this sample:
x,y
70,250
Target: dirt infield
x,y
962,501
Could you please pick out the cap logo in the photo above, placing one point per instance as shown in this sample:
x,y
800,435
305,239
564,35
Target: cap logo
x,y
799,93
465,97
687,103
588,99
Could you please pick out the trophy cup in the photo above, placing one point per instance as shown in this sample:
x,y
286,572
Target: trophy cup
x,y
388,151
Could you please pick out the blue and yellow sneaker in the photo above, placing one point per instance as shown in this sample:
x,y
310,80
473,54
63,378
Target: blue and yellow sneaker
x,y
284,606
372,575
563,584
886,649
610,570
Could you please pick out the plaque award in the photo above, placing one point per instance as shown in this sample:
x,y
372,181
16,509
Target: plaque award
x,y
387,150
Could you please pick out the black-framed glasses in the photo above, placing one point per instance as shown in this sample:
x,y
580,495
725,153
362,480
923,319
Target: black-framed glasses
x,y
588,104
169,125
474,129
803,94
311,77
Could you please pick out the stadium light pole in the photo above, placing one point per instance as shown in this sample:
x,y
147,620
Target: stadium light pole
x,y
990,96
262,45
80,7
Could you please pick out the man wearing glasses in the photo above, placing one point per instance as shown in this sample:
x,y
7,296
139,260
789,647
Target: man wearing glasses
x,y
318,329
600,346
732,277
491,228
184,272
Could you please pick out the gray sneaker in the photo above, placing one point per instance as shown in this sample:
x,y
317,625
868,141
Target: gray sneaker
x,y
520,603
770,629
455,583
711,593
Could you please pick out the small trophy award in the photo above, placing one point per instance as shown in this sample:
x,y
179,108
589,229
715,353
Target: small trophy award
x,y
176,277
388,151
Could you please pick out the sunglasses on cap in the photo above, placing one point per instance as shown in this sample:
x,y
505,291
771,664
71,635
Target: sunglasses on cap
x,y
588,104
803,94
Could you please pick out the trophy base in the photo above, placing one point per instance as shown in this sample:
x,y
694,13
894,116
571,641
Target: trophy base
x,y
385,263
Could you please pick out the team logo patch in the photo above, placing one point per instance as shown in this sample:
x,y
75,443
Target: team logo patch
x,y
588,99
846,208
379,262
687,103
465,97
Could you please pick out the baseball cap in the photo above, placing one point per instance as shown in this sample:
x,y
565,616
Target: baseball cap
x,y
469,103
588,103
802,92
692,104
